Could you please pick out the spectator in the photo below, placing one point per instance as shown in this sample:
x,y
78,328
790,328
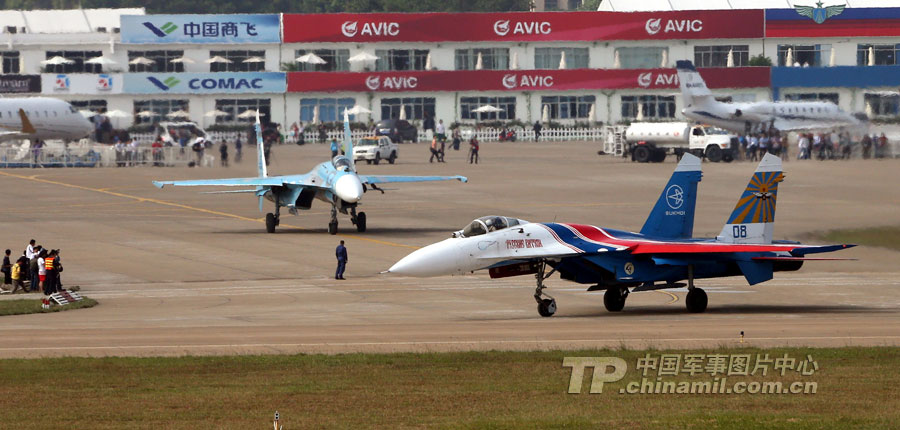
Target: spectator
x,y
6,269
157,152
434,150
18,275
456,140
440,132
33,271
300,138
882,146
223,153
473,150
323,136
752,147
42,271
867,146
50,279
537,130
803,146
238,145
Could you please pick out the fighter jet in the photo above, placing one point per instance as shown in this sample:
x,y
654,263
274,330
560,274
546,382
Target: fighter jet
x,y
661,255
335,182
745,117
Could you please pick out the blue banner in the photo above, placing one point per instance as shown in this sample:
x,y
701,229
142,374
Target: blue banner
x,y
205,83
160,29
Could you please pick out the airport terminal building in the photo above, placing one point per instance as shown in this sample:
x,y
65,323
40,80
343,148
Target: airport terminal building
x,y
614,64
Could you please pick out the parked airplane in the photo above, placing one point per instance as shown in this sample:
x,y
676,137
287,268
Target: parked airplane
x,y
661,255
743,117
41,118
335,182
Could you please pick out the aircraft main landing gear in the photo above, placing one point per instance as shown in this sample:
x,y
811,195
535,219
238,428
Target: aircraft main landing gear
x,y
272,220
614,299
546,307
696,299
358,219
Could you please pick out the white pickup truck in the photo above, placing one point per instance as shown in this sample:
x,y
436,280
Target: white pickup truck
x,y
375,149
652,141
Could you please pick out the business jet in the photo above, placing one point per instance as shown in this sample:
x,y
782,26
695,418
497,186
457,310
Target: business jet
x,y
41,118
701,106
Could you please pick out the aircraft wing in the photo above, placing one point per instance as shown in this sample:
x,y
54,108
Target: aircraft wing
x,y
383,179
229,182
12,135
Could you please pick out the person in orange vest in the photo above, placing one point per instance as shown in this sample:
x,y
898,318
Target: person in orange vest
x,y
52,273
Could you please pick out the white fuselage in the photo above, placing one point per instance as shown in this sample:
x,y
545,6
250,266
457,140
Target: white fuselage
x,y
51,119
785,116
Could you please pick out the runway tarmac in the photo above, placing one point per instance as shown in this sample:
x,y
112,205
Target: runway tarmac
x,y
178,272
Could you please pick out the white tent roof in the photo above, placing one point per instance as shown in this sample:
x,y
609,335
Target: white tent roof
x,y
65,21
666,5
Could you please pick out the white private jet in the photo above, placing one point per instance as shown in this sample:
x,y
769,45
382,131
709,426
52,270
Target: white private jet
x,y
41,118
701,106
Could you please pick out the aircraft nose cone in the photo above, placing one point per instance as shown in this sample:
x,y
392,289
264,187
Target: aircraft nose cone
x,y
348,188
433,260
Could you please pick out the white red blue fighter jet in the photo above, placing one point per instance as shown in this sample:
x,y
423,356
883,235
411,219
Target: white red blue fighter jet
x,y
661,255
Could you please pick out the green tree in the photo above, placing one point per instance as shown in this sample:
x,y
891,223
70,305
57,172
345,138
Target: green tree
x,y
760,60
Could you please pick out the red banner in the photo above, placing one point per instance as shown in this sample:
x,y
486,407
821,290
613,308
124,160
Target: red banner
x,y
520,80
523,26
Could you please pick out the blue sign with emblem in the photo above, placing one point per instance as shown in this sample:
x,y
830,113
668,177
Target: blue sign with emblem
x,y
819,13
158,29
205,83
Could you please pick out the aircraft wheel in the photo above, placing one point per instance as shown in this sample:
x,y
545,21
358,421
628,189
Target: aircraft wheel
x,y
270,222
392,157
714,153
642,154
547,307
614,299
696,300
332,228
377,159
361,222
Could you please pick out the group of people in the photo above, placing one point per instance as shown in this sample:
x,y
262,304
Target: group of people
x,y
755,146
438,145
823,146
39,267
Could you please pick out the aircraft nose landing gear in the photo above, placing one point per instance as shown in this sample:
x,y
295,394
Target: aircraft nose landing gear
x,y
546,307
272,220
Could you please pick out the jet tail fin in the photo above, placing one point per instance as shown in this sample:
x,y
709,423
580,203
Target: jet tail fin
x,y
673,215
348,141
693,88
260,150
753,218
27,127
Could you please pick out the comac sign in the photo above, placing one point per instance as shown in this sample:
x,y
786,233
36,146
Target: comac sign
x,y
205,83
523,26
531,80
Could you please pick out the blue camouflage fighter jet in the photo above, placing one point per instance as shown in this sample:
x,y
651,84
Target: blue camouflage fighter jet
x,y
662,255
335,182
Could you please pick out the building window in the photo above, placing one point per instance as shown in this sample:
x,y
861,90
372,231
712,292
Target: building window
x,y
335,60
641,57
883,104
551,5
330,109
89,105
654,107
240,61
467,106
567,107
491,58
10,61
416,107
813,97
78,65
162,61
717,55
160,109
400,59
548,58
885,55
805,55
235,107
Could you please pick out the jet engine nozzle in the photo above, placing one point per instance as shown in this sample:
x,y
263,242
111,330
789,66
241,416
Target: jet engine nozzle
x,y
738,113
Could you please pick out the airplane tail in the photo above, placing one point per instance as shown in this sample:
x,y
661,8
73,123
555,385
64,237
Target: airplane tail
x,y
260,150
673,215
27,127
348,141
753,218
693,88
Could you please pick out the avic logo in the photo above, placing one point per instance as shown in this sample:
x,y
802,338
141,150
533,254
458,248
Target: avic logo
x,y
166,84
163,31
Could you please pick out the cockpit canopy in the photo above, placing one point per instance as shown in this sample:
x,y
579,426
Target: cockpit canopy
x,y
341,163
487,224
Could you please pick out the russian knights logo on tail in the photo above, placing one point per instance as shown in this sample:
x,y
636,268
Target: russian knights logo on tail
x,y
819,14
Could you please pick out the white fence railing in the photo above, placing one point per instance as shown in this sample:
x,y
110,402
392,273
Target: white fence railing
x,y
482,134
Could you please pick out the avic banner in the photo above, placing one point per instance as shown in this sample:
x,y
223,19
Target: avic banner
x,y
520,80
523,26
161,29
205,83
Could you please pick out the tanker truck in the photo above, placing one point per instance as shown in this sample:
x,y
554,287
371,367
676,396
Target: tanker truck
x,y
652,141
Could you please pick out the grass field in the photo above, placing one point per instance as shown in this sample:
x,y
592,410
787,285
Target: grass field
x,y
33,306
856,388
885,237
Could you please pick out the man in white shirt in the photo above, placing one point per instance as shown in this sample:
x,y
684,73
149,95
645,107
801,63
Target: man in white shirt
x,y
29,250
440,132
